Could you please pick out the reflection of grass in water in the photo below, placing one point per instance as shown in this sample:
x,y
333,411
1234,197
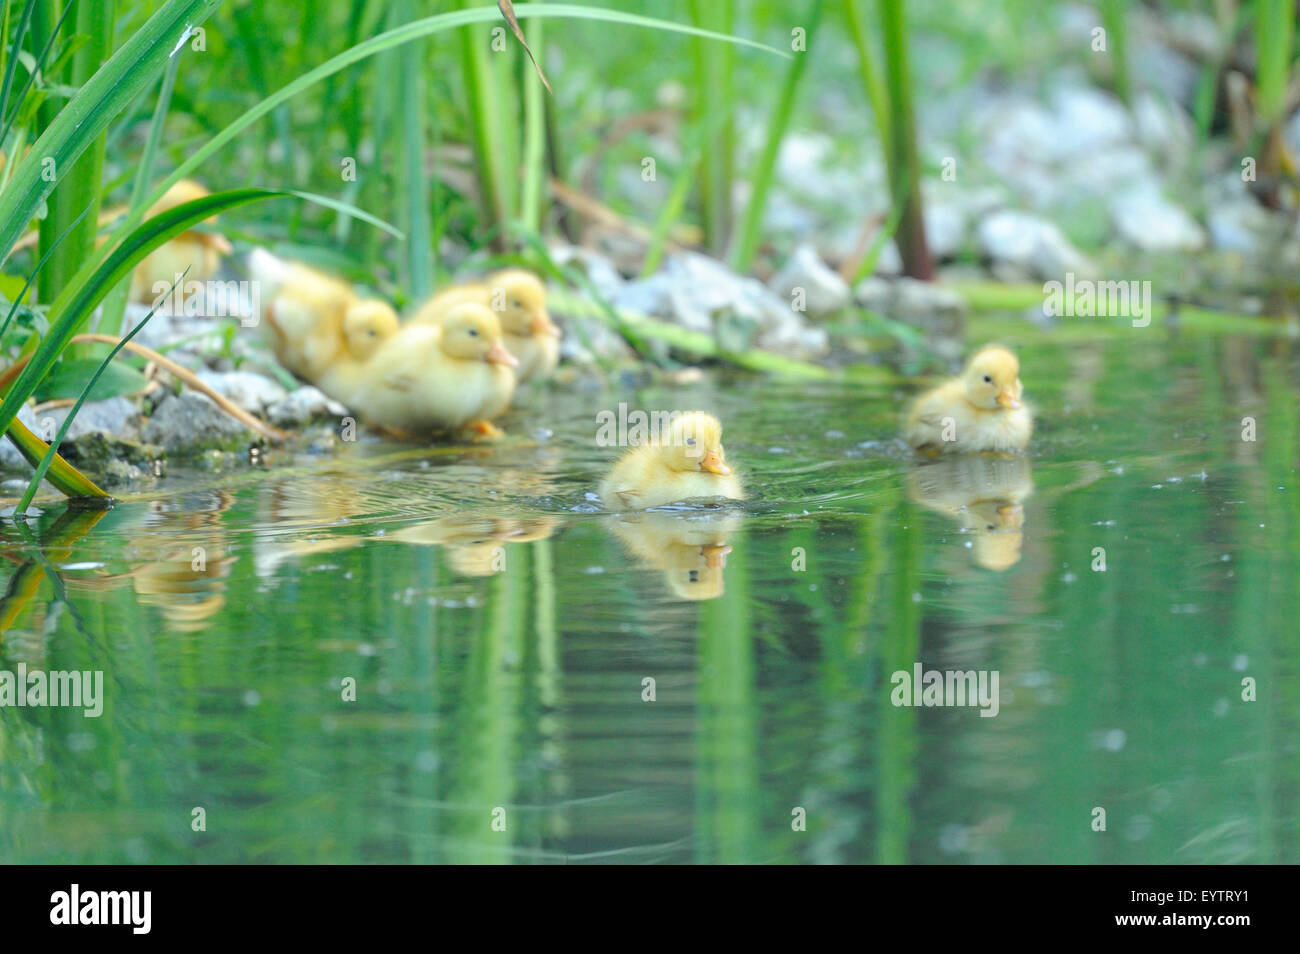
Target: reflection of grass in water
x,y
897,747
727,824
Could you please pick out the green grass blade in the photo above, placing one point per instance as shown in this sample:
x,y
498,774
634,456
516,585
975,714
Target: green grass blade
x,y
715,109
39,66
413,133
871,79
534,158
74,192
67,479
132,68
11,66
902,158
115,304
31,279
751,227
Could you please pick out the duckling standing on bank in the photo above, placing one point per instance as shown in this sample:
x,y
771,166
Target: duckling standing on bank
x,y
366,325
436,377
686,464
319,326
304,312
519,300
980,411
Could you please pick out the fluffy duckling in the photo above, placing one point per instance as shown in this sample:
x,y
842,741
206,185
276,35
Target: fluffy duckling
x,y
519,300
304,311
984,496
692,553
366,325
980,411
685,464
200,252
438,377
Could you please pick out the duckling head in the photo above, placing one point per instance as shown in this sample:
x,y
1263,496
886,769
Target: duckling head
x,y
992,379
695,443
471,332
367,325
522,300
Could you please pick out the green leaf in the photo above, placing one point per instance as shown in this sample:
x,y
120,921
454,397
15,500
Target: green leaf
x,y
69,376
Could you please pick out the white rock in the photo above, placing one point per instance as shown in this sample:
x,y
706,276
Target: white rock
x,y
825,292
1031,244
252,392
117,416
1146,219
303,406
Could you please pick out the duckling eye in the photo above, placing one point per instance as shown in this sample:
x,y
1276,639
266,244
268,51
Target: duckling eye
x,y
991,527
987,379
473,332
690,442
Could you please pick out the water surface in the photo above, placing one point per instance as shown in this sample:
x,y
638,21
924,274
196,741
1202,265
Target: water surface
x,y
501,633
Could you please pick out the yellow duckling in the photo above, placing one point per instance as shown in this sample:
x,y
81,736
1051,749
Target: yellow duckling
x,y
980,411
200,252
304,310
685,464
519,300
438,377
692,553
366,325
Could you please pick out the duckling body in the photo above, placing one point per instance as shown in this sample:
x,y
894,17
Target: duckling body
x,y
687,464
304,312
436,377
980,411
519,300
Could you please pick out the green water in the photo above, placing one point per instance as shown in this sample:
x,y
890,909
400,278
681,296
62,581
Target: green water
x,y
500,631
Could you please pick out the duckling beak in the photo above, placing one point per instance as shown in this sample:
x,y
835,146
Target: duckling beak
x,y
714,464
1013,515
542,325
1008,400
715,555
497,354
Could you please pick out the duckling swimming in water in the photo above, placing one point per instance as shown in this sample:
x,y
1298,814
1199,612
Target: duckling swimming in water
x,y
687,463
980,411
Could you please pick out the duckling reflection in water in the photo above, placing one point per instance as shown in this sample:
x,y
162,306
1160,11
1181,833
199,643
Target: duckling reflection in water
x,y
179,562
475,543
690,549
985,496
